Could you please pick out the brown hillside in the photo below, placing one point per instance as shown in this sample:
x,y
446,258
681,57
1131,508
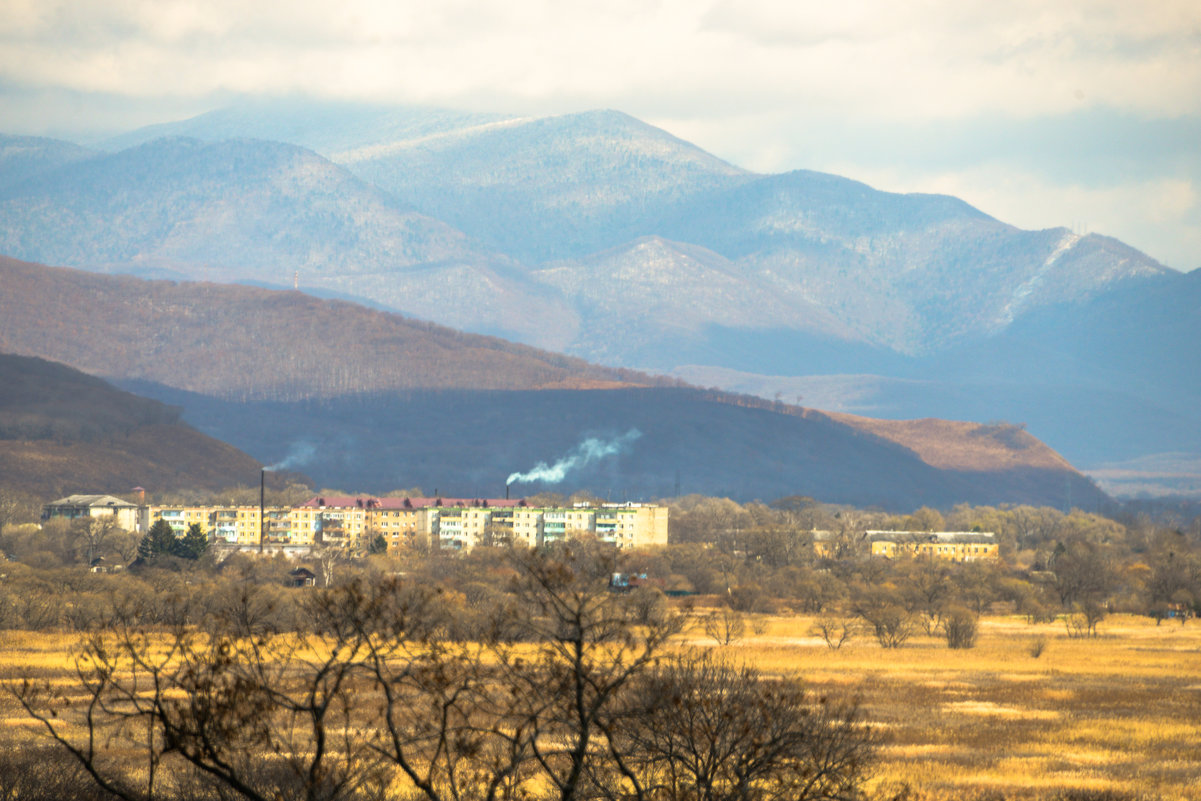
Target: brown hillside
x,y
62,432
246,343
960,445
161,458
388,401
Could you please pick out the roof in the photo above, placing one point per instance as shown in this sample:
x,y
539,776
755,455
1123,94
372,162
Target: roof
x,y
931,536
93,500
360,502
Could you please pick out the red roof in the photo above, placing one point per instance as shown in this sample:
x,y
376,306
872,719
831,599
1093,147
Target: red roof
x,y
367,502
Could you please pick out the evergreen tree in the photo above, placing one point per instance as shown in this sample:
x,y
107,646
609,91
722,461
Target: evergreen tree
x,y
160,540
194,543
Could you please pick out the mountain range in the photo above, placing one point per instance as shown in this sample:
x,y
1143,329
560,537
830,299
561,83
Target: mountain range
x,y
602,237
368,400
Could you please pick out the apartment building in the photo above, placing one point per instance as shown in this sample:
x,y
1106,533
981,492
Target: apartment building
x,y
73,507
956,546
234,525
459,524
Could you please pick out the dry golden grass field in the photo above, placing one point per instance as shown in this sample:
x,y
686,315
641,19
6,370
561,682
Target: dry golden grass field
x,y
1121,712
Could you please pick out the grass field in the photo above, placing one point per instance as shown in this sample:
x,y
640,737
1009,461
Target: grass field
x,y
1121,712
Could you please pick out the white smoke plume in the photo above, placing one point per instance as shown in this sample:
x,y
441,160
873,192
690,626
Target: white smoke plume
x,y
299,454
588,451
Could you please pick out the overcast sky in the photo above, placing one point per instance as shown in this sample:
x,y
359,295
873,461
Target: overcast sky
x,y
1082,113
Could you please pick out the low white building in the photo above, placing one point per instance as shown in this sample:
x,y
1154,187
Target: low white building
x,y
73,507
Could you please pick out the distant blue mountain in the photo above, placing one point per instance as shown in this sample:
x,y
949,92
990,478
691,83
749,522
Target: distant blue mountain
x,y
28,158
327,127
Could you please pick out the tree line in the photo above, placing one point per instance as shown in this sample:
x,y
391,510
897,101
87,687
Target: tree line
x,y
1076,566
751,558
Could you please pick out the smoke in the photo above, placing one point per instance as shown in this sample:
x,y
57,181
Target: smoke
x,y
587,452
299,454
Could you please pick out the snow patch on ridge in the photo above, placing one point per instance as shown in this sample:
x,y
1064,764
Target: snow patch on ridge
x,y
1027,287
370,152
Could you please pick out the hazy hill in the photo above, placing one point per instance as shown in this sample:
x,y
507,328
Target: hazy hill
x,y
913,273
327,126
25,158
535,188
651,300
679,441
454,216
62,431
368,400
548,188
250,343
248,210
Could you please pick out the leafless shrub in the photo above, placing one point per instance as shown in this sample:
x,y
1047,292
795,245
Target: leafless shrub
x,y
960,628
835,631
42,773
1082,622
724,626
700,728
890,622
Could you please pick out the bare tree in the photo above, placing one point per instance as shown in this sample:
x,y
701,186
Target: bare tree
x,y
725,626
591,647
14,508
928,588
263,717
561,693
702,729
328,557
890,621
1082,621
835,631
92,536
1084,573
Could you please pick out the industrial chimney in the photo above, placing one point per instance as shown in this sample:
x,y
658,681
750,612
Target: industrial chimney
x,y
262,505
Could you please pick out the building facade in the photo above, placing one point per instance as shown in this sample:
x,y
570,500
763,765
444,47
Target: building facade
x,y
355,523
956,546
126,515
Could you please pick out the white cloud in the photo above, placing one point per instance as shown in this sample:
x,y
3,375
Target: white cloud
x,y
747,79
913,59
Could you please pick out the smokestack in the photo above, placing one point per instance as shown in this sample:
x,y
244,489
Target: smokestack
x,y
262,505
506,492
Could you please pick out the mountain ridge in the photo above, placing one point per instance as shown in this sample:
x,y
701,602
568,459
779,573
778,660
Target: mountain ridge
x,y
383,400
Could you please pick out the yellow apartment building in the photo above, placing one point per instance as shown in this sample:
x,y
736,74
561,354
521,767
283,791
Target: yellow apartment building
x,y
956,546
354,522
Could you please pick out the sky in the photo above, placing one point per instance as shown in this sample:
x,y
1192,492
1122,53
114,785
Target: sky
x,y
1076,113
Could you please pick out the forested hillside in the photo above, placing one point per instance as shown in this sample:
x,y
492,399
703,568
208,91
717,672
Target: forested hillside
x,y
246,343
377,401
466,443
63,432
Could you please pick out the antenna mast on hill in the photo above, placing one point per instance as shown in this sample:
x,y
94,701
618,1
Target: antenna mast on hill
x,y
296,280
